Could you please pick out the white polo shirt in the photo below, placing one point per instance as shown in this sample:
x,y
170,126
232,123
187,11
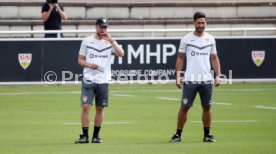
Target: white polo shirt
x,y
97,52
198,50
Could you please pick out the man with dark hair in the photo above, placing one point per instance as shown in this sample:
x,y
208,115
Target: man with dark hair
x,y
95,56
52,14
199,15
197,48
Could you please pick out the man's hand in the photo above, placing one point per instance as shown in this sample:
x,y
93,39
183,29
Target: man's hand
x,y
56,6
93,66
107,37
50,6
179,82
217,81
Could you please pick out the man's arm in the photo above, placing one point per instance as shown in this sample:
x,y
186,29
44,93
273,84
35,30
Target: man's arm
x,y
45,15
216,65
118,50
178,66
62,14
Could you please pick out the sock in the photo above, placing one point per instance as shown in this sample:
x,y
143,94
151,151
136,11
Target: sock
x,y
179,132
206,131
96,131
85,131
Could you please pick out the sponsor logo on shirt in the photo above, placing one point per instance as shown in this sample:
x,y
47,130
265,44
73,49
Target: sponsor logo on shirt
x,y
194,53
98,56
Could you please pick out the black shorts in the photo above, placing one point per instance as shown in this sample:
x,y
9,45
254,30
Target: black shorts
x,y
190,90
90,90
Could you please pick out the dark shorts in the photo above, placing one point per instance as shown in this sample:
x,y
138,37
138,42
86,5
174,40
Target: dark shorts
x,y
90,90
190,90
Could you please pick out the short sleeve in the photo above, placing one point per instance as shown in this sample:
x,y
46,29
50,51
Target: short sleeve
x,y
182,46
83,48
45,8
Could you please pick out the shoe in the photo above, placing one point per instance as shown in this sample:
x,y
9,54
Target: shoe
x,y
82,139
96,140
175,138
209,138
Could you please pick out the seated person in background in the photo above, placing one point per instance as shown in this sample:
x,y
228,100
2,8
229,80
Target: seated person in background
x,y
52,14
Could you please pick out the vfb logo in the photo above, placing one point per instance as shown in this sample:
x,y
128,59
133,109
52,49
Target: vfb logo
x,y
25,60
258,57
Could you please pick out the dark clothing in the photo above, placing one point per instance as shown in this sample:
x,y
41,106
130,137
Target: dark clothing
x,y
91,90
54,20
190,90
53,35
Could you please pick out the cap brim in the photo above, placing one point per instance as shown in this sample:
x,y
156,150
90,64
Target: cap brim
x,y
103,25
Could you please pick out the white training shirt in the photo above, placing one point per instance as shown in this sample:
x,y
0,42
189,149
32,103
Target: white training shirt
x,y
97,52
198,50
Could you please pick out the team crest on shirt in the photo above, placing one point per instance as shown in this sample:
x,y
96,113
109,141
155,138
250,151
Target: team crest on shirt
x,y
25,60
84,98
258,57
207,40
185,101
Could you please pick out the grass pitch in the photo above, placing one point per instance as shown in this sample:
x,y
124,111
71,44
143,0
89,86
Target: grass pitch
x,y
140,119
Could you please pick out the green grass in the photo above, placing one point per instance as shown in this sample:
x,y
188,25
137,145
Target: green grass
x,y
33,120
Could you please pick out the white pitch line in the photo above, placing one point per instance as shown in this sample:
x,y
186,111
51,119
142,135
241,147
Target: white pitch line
x,y
146,91
221,103
105,123
40,93
127,91
229,121
172,90
54,92
115,123
266,107
120,95
71,123
176,99
246,89
167,98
